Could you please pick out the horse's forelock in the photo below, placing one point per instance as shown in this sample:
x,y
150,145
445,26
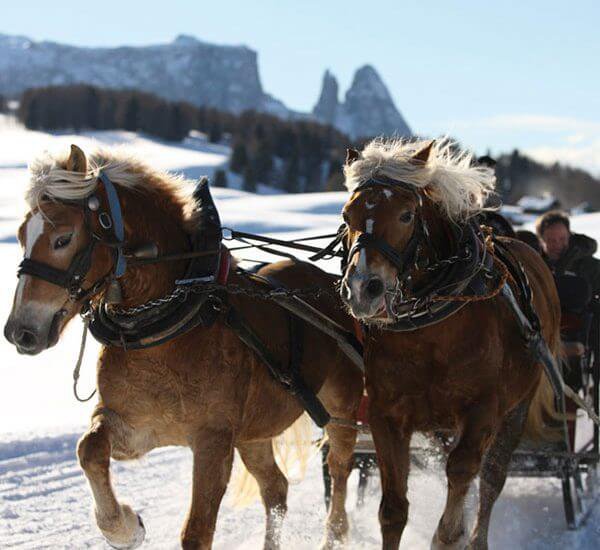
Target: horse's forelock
x,y
50,179
451,178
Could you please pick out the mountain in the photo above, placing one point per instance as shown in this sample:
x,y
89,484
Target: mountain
x,y
368,109
224,77
187,69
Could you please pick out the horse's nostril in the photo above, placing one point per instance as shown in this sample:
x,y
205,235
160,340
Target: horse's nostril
x,y
374,288
25,339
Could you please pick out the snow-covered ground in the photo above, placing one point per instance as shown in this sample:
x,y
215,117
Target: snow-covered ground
x,y
44,500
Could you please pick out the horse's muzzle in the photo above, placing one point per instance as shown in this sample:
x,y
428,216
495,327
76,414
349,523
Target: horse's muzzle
x,y
30,340
365,295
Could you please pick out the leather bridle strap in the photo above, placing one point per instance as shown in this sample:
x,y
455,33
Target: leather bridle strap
x,y
58,277
116,216
400,260
366,240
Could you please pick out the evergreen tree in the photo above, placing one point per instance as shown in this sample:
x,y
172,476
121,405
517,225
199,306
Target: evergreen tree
x,y
239,158
215,132
131,114
249,183
3,104
335,177
291,175
263,161
220,178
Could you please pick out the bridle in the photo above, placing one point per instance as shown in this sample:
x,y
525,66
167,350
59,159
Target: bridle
x,y
73,277
403,261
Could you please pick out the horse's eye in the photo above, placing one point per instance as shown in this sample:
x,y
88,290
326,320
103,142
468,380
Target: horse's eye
x,y
407,216
345,216
63,241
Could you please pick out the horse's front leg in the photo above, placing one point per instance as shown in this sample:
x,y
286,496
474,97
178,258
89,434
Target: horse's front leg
x,y
393,455
463,465
213,457
119,524
340,460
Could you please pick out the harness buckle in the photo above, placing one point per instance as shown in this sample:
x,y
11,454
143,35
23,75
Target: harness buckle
x,y
105,220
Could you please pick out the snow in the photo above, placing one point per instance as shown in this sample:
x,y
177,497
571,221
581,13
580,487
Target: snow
x,y
44,499
537,204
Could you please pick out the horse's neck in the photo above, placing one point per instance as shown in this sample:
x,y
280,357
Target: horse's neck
x,y
147,223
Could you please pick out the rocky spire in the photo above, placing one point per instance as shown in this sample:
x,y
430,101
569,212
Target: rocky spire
x,y
369,108
327,105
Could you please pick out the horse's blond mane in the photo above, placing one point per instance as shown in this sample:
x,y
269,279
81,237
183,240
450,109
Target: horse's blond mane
x,y
50,180
453,181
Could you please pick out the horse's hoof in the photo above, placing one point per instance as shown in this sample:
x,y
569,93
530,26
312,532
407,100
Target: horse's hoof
x,y
458,544
139,534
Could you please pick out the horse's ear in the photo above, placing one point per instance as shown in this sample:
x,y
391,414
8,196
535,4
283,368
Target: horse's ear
x,y
351,156
77,161
422,155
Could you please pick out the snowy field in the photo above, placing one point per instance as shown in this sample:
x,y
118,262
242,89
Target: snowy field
x,y
44,499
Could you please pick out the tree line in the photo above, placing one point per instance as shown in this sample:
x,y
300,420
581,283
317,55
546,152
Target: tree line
x,y
294,155
520,175
3,104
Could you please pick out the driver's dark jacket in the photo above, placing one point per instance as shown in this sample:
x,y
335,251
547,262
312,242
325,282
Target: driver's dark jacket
x,y
579,260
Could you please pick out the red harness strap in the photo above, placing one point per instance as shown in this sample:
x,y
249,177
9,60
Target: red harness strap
x,y
224,265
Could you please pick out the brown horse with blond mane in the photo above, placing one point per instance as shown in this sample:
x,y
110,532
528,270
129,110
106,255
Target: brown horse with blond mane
x,y
204,388
444,351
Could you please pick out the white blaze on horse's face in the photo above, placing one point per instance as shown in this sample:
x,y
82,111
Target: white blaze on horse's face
x,y
370,278
41,309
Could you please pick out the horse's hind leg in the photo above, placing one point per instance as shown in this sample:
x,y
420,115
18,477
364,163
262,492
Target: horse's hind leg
x,y
493,471
259,460
339,459
119,524
462,466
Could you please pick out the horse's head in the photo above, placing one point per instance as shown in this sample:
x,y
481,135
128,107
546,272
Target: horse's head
x,y
60,263
399,191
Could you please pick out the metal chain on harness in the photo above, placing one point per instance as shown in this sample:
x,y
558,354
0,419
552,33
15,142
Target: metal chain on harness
x,y
182,291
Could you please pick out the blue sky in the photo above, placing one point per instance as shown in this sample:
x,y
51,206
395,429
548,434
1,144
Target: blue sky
x,y
495,75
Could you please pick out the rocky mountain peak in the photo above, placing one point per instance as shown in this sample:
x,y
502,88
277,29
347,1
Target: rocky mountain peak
x,y
368,83
367,110
327,104
186,40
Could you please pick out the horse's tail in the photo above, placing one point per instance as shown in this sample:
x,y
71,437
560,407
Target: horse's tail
x,y
542,410
293,449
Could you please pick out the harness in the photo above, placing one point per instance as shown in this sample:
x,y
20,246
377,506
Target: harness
x,y
165,318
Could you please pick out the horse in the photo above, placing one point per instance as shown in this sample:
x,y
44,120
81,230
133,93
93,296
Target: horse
x,y
203,388
444,352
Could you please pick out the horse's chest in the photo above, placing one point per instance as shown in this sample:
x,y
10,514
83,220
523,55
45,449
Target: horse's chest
x,y
416,388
